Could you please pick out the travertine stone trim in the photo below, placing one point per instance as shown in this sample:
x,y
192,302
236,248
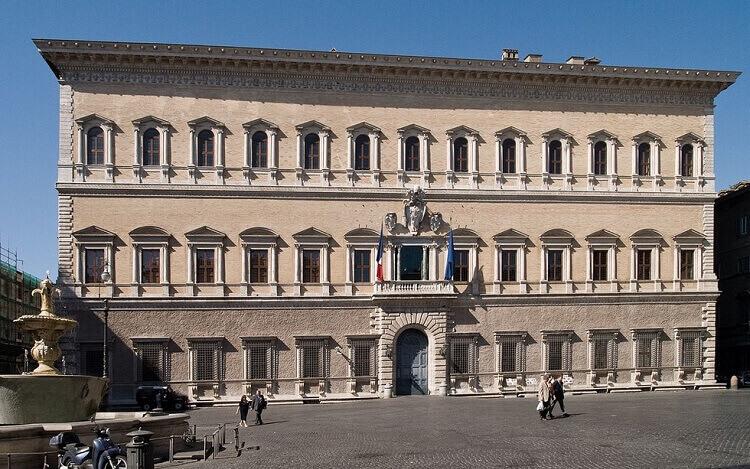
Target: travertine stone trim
x,y
65,137
708,320
708,252
65,239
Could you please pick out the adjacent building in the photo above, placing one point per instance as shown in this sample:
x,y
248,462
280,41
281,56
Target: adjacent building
x,y
237,196
733,269
16,300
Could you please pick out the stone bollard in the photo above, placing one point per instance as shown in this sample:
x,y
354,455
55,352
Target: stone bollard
x,y
139,449
388,391
734,382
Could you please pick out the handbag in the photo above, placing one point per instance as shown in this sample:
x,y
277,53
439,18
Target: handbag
x,y
540,406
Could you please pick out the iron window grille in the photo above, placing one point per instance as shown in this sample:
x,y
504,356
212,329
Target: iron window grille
x,y
153,358
208,360
691,349
314,358
511,349
558,351
647,349
260,359
463,355
603,349
364,358
508,261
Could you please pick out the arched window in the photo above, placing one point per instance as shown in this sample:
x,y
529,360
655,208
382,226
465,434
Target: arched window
x,y
686,160
312,151
460,155
151,143
509,155
259,150
95,146
644,159
600,158
205,148
362,153
411,158
554,162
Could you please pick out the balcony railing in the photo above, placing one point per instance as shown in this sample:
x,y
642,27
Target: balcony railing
x,y
414,287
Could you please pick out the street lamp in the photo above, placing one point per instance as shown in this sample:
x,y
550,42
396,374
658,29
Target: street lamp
x,y
106,277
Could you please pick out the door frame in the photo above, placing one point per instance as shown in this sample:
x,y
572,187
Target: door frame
x,y
430,356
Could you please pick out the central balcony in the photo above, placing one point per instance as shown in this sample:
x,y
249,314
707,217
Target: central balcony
x,y
414,287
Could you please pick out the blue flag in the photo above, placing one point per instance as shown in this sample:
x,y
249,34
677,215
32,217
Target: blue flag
x,y
449,258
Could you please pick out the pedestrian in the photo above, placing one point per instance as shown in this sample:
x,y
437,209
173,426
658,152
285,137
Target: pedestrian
x,y
551,386
543,396
242,410
559,392
258,404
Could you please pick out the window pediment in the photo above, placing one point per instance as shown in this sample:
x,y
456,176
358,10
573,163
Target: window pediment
x,y
690,235
94,119
689,137
363,126
557,235
312,235
461,130
259,234
260,123
362,235
204,233
511,236
646,234
94,233
558,133
414,129
603,235
144,121
312,125
647,136
602,135
465,235
205,121
149,233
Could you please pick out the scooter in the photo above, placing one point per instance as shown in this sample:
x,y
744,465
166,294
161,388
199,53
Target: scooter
x,y
102,454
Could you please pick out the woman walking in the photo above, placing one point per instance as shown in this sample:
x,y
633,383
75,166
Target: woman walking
x,y
242,410
543,397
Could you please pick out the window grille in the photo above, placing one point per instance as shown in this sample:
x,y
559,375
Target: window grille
x,y
559,352
154,361
599,260
603,351
258,266
461,265
690,349
554,265
554,163
686,264
150,266
208,360
643,266
411,157
512,353
314,358
260,359
362,265
362,153
463,355
647,350
600,158
509,155
508,260
364,357
94,267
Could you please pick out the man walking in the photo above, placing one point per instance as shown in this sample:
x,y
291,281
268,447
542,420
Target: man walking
x,y
258,404
559,393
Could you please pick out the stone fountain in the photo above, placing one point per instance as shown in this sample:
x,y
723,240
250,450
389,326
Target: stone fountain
x,y
46,395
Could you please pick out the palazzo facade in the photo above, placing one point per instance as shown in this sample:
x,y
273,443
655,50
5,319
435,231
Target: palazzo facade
x,y
236,197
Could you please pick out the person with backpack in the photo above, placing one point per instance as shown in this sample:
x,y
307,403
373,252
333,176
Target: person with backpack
x,y
258,404
558,392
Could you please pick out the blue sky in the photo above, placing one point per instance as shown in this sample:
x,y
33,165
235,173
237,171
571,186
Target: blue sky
x,y
709,35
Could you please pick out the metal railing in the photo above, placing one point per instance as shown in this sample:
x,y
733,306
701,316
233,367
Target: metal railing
x,y
8,457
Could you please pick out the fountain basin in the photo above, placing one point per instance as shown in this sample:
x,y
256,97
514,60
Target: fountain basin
x,y
49,398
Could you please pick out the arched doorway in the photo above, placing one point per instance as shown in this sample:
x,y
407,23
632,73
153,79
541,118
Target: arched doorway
x,y
411,363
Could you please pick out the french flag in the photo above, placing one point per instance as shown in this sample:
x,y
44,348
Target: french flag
x,y
379,258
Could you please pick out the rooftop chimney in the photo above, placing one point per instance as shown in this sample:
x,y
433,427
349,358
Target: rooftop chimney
x,y
592,61
510,54
533,58
575,60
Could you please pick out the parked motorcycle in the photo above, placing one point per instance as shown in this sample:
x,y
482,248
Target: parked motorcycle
x,y
102,454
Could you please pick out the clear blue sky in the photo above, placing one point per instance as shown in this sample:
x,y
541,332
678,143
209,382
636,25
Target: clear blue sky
x,y
710,35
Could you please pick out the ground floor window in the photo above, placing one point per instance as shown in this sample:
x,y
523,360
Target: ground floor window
x,y
364,357
207,360
690,345
603,350
511,350
153,358
313,358
463,354
557,351
92,359
647,349
260,358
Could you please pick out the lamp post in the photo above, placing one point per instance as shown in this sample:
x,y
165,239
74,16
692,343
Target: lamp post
x,y
106,277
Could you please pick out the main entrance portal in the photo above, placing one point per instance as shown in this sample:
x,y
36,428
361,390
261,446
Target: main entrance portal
x,y
411,363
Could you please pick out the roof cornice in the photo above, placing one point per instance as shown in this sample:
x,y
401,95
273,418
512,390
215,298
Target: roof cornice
x,y
59,53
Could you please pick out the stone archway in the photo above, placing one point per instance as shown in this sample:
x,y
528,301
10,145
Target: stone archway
x,y
434,323
412,363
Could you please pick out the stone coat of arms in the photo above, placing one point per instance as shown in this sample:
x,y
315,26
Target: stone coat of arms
x,y
415,208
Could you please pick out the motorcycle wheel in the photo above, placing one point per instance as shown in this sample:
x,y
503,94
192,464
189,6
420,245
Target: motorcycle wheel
x,y
118,462
178,406
146,407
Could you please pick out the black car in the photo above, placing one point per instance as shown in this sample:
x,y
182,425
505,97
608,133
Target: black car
x,y
151,397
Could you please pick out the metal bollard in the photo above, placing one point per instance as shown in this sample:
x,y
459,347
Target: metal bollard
x,y
140,451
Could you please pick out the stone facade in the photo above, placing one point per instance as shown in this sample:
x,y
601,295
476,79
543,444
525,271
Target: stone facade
x,y
607,208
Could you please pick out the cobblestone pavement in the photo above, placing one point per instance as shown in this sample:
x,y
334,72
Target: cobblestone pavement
x,y
653,429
